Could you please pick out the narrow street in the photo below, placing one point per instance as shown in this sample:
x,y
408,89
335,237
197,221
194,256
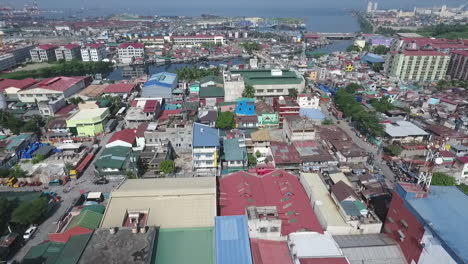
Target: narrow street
x,y
84,183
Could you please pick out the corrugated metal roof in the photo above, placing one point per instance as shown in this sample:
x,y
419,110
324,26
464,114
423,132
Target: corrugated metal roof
x,y
270,252
232,240
205,136
233,151
87,219
404,129
73,249
365,240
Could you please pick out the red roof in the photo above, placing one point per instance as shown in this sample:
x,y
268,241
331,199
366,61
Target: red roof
x,y
71,46
135,45
65,236
20,84
423,53
60,84
66,110
278,188
94,45
46,47
446,154
270,252
341,260
140,131
463,160
150,106
284,153
197,36
461,52
127,135
134,103
119,88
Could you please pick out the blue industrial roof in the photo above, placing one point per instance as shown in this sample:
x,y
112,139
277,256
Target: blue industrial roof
x,y
232,240
373,58
314,114
205,136
165,79
444,213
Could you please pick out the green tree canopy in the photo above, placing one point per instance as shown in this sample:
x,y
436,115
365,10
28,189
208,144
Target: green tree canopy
x,y
6,207
258,154
383,105
393,150
225,120
250,47
191,74
442,179
293,93
353,87
75,100
353,48
17,172
249,91
381,50
30,212
327,121
378,67
167,166
251,159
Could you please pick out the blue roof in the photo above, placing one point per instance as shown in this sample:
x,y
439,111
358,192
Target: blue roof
x,y
314,114
373,58
232,240
205,136
444,213
165,79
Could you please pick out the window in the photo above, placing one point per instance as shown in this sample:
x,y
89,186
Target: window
x,y
403,223
390,220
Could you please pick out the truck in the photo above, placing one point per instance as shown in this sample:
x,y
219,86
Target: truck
x,y
11,181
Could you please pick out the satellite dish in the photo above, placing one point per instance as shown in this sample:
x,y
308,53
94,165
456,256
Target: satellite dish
x,y
438,161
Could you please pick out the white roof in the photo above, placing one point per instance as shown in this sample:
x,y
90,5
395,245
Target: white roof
x,y
88,113
69,146
314,245
339,176
323,200
403,129
94,195
170,202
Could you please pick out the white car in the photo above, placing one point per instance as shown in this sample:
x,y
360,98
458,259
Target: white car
x,y
30,232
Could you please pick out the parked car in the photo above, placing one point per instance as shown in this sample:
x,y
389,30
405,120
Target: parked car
x,y
101,181
55,182
30,232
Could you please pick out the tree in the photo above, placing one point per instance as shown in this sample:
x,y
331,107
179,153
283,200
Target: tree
x,y
381,50
4,173
377,67
327,121
383,105
463,187
131,175
17,172
37,159
225,120
75,100
249,91
167,166
250,47
293,93
258,154
439,178
30,212
6,207
252,161
352,88
393,150
353,48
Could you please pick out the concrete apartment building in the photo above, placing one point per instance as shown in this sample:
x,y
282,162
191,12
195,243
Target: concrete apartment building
x,y
233,86
458,66
93,52
7,61
417,65
272,83
198,39
205,150
68,52
129,52
22,53
297,128
178,133
43,53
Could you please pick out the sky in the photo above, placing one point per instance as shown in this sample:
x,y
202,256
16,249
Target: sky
x,y
349,4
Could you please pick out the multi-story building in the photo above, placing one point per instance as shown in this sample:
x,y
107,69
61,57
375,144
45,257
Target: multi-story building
x,y
7,61
297,128
233,86
198,39
43,53
429,225
88,122
178,133
458,66
52,88
129,52
93,52
442,45
152,40
309,101
22,53
267,117
272,83
415,65
68,52
285,107
205,150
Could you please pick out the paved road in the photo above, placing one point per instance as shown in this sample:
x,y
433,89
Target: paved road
x,y
369,148
85,182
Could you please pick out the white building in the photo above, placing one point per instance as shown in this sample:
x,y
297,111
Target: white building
x,y
93,52
51,89
205,150
198,39
264,222
129,52
233,86
298,128
68,52
312,245
43,53
308,101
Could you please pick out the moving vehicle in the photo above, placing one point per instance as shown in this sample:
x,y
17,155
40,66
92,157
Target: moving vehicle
x,y
55,182
30,232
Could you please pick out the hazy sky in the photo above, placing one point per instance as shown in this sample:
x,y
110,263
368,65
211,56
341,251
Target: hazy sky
x,y
237,3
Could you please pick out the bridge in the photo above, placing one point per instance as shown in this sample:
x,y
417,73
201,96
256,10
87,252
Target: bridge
x,y
332,35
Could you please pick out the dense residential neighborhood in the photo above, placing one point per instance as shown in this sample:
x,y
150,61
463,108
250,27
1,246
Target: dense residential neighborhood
x,y
141,139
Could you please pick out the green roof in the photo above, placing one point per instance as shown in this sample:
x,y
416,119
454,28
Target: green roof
x,y
98,208
18,111
232,150
73,249
226,103
212,78
44,253
104,103
264,77
87,219
20,104
17,141
211,91
194,246
113,157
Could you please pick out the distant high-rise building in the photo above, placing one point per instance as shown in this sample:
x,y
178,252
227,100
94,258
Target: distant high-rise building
x,y
369,7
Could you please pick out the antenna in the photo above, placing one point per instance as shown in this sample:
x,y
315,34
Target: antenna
x,y
425,176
